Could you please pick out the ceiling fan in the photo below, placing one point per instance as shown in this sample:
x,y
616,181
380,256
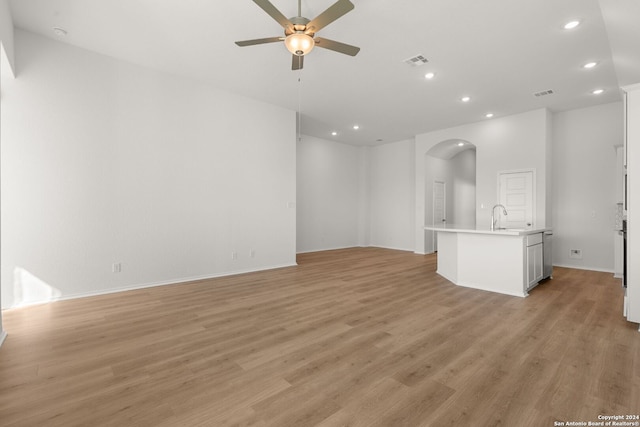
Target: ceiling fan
x,y
299,32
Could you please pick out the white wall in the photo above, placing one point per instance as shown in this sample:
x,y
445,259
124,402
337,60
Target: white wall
x,y
392,185
513,142
331,193
584,193
364,197
6,70
105,162
463,166
354,196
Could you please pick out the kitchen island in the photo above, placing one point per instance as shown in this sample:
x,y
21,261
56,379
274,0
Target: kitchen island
x,y
508,261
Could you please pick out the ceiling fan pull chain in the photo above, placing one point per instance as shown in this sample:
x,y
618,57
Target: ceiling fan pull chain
x,y
299,109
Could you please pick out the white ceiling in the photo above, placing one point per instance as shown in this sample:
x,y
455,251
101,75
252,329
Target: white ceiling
x,y
498,52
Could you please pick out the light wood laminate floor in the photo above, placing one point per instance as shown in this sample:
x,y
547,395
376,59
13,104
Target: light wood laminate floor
x,y
353,337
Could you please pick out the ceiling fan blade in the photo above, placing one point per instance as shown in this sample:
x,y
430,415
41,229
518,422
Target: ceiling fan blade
x,y
347,49
334,12
259,41
296,62
274,13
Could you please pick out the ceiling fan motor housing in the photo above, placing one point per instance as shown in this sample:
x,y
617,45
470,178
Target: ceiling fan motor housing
x,y
299,25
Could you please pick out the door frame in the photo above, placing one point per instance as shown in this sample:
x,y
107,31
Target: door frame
x,y
433,212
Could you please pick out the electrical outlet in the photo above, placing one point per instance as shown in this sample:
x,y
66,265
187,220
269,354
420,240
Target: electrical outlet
x,y
252,253
116,267
575,253
234,255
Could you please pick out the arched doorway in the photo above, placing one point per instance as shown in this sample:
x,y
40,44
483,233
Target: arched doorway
x,y
450,185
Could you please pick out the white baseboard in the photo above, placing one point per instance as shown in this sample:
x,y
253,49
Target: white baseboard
x,y
3,336
151,285
424,253
336,248
357,246
579,267
393,248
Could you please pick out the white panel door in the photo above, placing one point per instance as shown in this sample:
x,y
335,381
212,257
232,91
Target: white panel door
x,y
515,191
439,208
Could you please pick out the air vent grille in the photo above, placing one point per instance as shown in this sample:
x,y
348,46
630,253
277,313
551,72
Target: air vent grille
x,y
416,61
544,93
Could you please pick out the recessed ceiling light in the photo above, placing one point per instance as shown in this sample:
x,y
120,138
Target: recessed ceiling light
x,y
429,75
60,32
356,127
460,144
597,91
465,99
488,115
334,133
590,65
571,25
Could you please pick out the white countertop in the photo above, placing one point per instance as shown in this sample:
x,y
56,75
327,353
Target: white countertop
x,y
454,228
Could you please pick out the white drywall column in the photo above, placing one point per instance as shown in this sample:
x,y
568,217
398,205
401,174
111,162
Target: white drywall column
x,y
6,66
633,201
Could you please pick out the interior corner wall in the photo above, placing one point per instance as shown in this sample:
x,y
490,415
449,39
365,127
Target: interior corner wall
x,y
548,190
364,197
115,176
584,165
392,183
330,194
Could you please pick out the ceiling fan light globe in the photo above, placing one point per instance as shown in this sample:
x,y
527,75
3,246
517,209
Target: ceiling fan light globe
x,y
299,43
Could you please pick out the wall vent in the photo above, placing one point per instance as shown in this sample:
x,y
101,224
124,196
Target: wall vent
x,y
416,61
544,93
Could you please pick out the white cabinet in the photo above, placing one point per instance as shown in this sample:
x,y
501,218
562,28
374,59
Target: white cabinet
x,y
535,260
534,265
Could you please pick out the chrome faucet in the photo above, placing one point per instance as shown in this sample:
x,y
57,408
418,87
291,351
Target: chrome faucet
x,y
493,220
